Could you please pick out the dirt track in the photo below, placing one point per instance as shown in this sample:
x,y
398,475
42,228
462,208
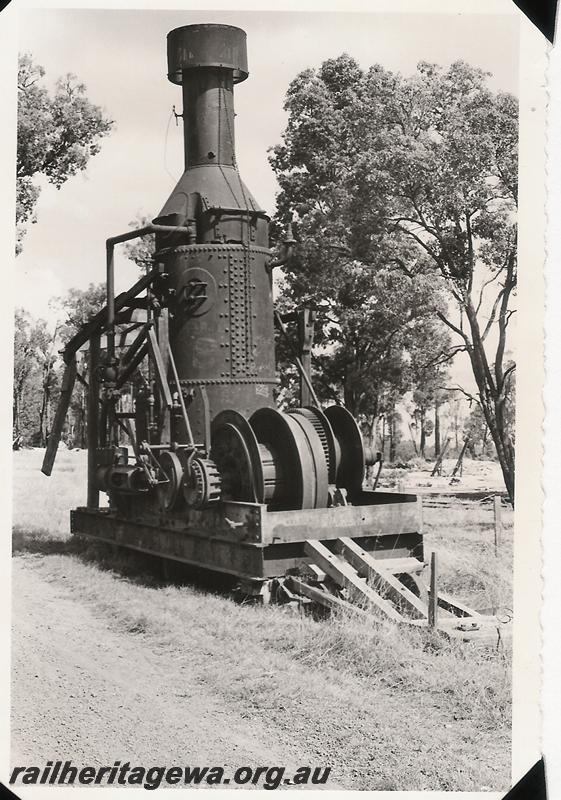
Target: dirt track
x,y
92,683
112,663
73,674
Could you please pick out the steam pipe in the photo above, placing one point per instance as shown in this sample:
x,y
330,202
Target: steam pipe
x,y
110,247
288,247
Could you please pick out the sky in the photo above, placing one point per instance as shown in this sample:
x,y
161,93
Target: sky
x,y
121,57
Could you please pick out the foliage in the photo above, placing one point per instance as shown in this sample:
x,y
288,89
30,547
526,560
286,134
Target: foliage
x,y
79,306
35,382
38,367
476,431
414,177
57,135
141,250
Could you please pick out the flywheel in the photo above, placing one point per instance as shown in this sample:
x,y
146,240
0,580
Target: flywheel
x,y
169,480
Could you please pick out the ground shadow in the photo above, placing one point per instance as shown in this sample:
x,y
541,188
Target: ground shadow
x,y
139,568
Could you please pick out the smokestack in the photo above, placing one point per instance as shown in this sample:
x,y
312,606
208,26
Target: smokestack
x,y
207,60
221,306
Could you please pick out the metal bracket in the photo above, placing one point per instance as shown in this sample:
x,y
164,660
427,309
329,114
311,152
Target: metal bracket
x,y
176,115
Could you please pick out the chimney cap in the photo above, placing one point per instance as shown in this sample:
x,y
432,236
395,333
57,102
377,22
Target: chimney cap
x,y
199,46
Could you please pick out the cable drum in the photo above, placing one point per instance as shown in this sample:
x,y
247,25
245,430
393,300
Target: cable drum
x,y
316,441
352,466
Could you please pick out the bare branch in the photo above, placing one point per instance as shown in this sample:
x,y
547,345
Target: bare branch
x,y
503,319
487,283
469,396
493,314
457,330
444,356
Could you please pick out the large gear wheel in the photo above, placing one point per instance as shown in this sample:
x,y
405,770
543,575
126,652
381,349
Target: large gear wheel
x,y
201,483
323,429
317,444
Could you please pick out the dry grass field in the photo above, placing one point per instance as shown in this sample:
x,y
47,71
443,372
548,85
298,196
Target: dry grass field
x,y
110,662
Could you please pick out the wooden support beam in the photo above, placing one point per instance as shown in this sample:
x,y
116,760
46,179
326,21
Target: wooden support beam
x,y
93,420
68,381
321,596
315,572
400,566
498,520
433,595
344,575
161,374
382,578
96,325
448,603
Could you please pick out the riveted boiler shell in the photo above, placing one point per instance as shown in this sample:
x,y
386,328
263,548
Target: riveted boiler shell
x,y
221,330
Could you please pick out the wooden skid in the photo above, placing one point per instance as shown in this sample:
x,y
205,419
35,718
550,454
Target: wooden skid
x,y
320,595
382,578
372,582
346,576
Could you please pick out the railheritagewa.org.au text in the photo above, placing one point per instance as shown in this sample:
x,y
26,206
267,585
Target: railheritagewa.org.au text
x,y
64,773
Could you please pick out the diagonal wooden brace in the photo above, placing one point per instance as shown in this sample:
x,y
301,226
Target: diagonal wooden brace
x,y
68,380
161,376
386,583
345,575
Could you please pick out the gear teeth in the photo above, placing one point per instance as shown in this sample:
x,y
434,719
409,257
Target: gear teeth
x,y
308,414
204,486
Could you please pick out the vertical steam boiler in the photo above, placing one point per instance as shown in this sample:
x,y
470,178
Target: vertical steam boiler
x,y
203,468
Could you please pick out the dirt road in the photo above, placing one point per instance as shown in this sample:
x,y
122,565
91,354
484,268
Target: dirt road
x,y
106,668
112,663
85,692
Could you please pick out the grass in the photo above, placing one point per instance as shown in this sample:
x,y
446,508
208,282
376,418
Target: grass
x,y
388,707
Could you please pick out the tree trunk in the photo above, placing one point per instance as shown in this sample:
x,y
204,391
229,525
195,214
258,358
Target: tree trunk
x,y
413,439
392,438
492,404
437,429
17,405
456,424
423,441
43,416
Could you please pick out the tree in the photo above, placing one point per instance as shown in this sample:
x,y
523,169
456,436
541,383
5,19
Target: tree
x,y
49,383
416,174
57,135
476,431
79,306
429,374
32,347
368,323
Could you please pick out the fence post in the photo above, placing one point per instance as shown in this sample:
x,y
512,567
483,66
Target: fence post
x,y
433,596
497,508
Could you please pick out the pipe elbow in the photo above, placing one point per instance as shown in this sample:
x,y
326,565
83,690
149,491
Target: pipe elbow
x,y
287,251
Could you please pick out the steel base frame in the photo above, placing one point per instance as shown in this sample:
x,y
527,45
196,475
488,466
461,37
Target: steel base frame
x,y
246,540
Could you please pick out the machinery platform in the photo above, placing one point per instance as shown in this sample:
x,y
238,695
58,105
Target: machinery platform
x,y
247,540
